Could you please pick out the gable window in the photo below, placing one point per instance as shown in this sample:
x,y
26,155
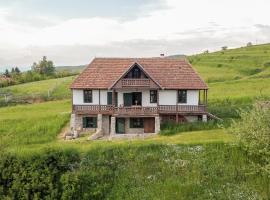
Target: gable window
x,y
136,73
136,122
182,96
153,96
89,122
87,96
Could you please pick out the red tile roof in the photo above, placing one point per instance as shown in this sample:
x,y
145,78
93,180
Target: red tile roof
x,y
169,73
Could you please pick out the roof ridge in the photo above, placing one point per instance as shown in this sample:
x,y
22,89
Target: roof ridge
x,y
134,58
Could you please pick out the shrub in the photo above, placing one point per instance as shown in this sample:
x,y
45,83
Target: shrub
x,y
35,176
266,64
253,133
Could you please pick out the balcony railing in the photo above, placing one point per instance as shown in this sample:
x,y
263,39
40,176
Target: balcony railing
x,y
135,82
139,110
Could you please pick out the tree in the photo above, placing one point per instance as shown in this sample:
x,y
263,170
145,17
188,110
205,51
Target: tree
x,y
7,74
17,70
206,52
224,48
44,66
249,44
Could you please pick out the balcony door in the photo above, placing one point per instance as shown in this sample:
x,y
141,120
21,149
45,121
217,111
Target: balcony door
x,y
133,99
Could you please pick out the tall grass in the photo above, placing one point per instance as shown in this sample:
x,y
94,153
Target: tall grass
x,y
173,128
32,124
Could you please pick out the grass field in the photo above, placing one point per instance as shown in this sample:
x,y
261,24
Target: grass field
x,y
47,89
37,126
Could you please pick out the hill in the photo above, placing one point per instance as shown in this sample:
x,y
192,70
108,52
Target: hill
x,y
234,64
37,91
236,77
71,69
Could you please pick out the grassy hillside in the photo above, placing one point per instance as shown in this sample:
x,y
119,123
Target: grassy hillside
x,y
234,64
40,90
236,77
71,69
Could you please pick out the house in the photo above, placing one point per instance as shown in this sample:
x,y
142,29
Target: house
x,y
125,96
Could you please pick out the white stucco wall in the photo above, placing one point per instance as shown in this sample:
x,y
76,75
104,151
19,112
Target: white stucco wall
x,y
166,97
169,97
78,97
103,97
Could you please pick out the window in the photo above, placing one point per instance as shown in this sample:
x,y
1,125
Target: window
x,y
136,73
182,96
136,122
109,98
153,96
87,96
89,122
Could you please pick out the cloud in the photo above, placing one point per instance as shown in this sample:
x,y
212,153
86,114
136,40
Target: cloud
x,y
75,33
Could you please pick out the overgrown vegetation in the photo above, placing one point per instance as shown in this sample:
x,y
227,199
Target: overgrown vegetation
x,y
253,133
213,171
32,124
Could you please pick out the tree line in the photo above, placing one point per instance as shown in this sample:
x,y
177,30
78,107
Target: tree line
x,y
41,70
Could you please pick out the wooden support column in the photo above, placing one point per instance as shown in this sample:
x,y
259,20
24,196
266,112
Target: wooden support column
x,y
206,97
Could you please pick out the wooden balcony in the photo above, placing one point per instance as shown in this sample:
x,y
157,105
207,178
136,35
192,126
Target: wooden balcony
x,y
136,110
139,110
93,109
135,82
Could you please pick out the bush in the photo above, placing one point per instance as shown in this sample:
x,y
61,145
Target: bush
x,y
36,176
266,64
253,133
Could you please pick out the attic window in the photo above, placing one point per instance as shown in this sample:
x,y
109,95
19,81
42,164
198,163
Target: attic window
x,y
136,72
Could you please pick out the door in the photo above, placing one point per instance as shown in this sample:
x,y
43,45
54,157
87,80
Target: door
x,y
149,125
120,125
137,98
127,99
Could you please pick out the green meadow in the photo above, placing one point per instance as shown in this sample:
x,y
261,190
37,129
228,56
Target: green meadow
x,y
193,161
44,90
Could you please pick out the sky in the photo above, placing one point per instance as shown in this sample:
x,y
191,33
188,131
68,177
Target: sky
x,y
73,32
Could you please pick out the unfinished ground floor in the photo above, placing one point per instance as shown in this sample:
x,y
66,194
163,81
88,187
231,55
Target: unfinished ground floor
x,y
110,125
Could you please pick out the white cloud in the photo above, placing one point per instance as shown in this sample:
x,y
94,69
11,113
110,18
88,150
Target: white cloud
x,y
184,27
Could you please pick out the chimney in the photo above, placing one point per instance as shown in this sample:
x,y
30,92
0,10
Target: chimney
x,y
162,55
